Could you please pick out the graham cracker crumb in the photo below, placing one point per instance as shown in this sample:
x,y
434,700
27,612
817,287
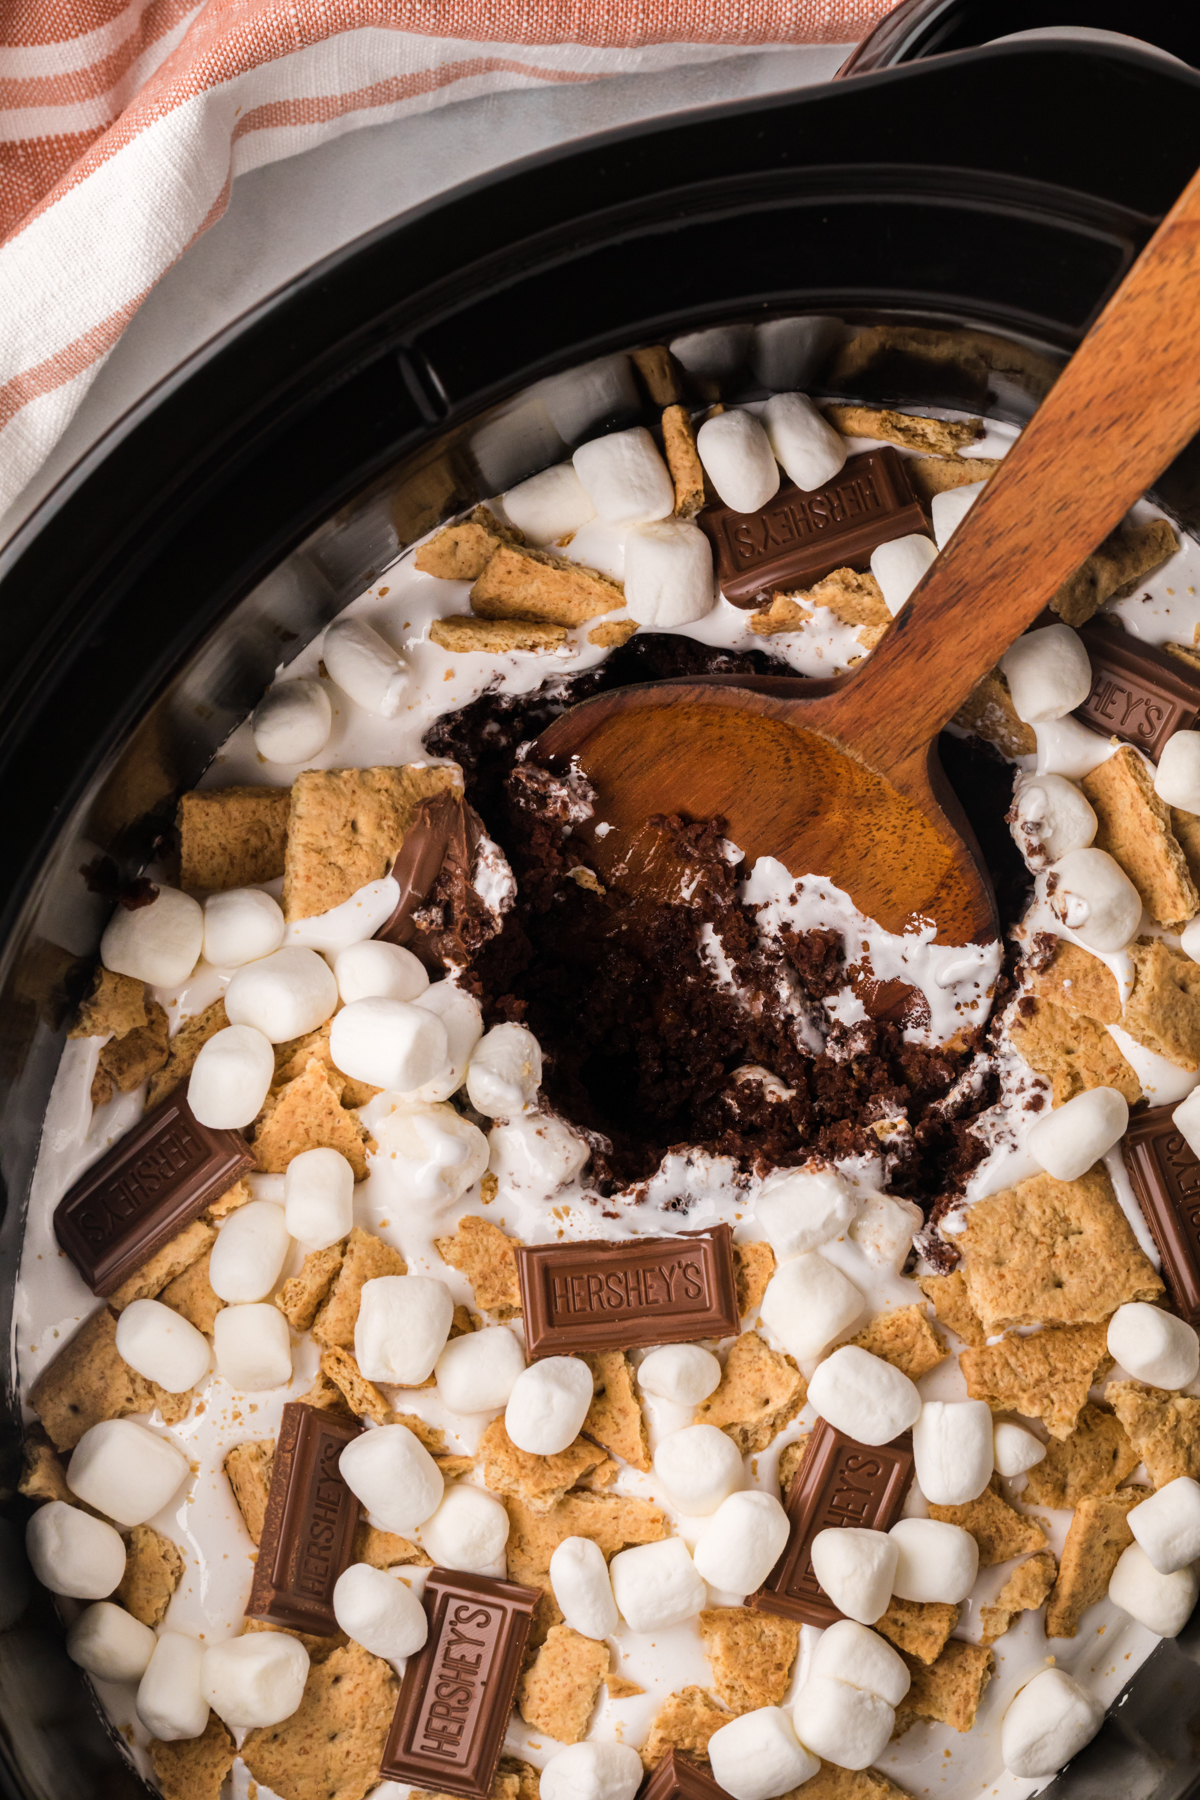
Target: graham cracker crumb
x,y
660,372
1076,979
486,1256
89,1381
453,1467
683,460
610,634
783,614
300,1299
114,1006
1163,1428
432,1437
153,1570
194,1768
307,1114
331,1747
183,1049
1000,1531
540,1481
1045,1376
853,596
936,437
684,1722
621,1688
1072,1051
191,1296
43,1476
790,1459
558,1690
178,1254
346,826
460,552
1163,1009
522,585
950,1689
1098,1533
932,475
761,1391
947,1294
615,1418
753,1267
385,1550
1095,1459
832,1783
362,1396
905,1338
988,713
751,1655
248,1471
466,635
364,1258
231,837
919,1628
1127,554
1024,1591
324,1395
126,1062
1134,826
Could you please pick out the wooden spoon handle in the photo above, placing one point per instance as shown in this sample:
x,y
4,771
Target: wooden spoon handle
x,y
1125,405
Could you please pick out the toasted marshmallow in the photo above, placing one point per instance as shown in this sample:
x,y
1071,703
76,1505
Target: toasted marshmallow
x,y
738,460
1048,1723
549,506
1153,1345
402,1326
394,1476
548,1404
468,1531
462,1022
758,1755
438,1152
952,1450
935,1561
1067,1141
683,1373
1094,898
248,1256
162,1346
505,1071
592,1771
255,1680
1167,1525
668,574
1050,818
231,1078
365,666
900,565
788,353
373,970
476,1373
699,1467
884,1229
801,1209
864,1396
845,1725
742,1542
849,1652
625,478
377,1610
949,509
253,1348
856,1568
807,445
808,1303
240,926
292,722
579,1578
391,1044
318,1197
110,1643
535,1155
284,995
1048,673
1014,1449
1162,1603
1177,778
170,1701
72,1553
656,1585
159,943
125,1471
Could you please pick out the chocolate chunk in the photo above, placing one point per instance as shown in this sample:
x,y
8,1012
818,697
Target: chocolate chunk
x,y
1139,693
677,1778
840,1482
797,538
156,1180
1165,1174
458,1692
309,1523
603,1294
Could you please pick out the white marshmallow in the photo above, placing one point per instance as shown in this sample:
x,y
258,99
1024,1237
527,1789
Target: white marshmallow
x,y
240,926
807,445
1162,1603
720,350
856,1568
389,1043
1048,1723
292,722
1153,1345
110,1643
845,1725
625,478
534,1155
699,1467
581,398
462,1021
318,1198
1189,939
255,1680
231,1077
787,353
477,1372
253,1347
738,460
159,943
884,1229
402,1326
72,1553
1048,673
354,921
468,1531
1186,1119
656,1585
743,1541
800,1209
807,1303
162,1346
936,1561
900,565
1050,818
948,510
579,1578
548,1404
505,1071
250,1252
125,1471
592,1772
373,970
365,666
864,1396
849,1652
600,546
952,1450
1177,778
758,1755
549,506
377,1610
668,574
683,1373
1014,1449
170,1701
1167,1525
437,1152
284,995
1067,1141
394,1476
1094,898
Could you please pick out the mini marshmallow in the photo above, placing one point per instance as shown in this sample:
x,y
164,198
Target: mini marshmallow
x,y
548,1404
801,1209
579,1578
849,1652
373,970
845,1725
250,1252
1186,1119
935,1561
162,1346
353,921
864,1396
656,1585
1094,898
1049,819
668,574
110,1643
583,397
402,1326
477,1372
438,1153
952,1450
884,1229
240,926
807,445
231,1077
949,509
625,478
1177,778
394,1476
255,1680
318,1198
534,1155
787,353
743,1541
600,546
738,460
292,722
505,1071
170,1700
1153,1345
592,1772
549,506
758,1755
1048,1723
718,351
1162,1603
72,1553
1014,1449
284,995
808,1303
1189,939
462,1021
389,1043
683,1373
1067,1141
125,1471
365,666
160,943
699,1467
468,1531
899,566
856,1568
378,1610
1167,1525
252,1347
1048,673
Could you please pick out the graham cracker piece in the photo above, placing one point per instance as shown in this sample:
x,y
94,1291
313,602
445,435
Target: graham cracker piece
x,y
1076,979
949,1690
1095,1459
301,1297
936,437
1134,826
947,1294
540,1481
783,614
761,1391
346,826
453,1467
683,460
194,1768
42,1474
486,1256
292,1058
998,1528
331,1747
240,1194
1098,1533
176,1255
1185,826
320,1648
610,634
126,1062
385,1550
790,1459
660,372
918,1627
1045,1376
932,475
621,1688
362,1396
898,358
1163,1428
364,1258
1054,1253
231,837
615,1419
248,1471
753,1267
853,596
88,1381
460,552
324,1395
191,1296
114,1006
520,585
466,635
1072,1051
307,1114
1127,554
432,1437
833,1783
153,1570
558,1690
988,713
1024,1591
1163,1009
904,1337
684,1722
751,1655
184,1048
613,1521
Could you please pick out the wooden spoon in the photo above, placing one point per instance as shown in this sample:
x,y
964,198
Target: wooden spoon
x,y
840,778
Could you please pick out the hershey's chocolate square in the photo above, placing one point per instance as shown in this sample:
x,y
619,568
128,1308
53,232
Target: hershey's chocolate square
x,y
602,1294
308,1528
1165,1173
1138,692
